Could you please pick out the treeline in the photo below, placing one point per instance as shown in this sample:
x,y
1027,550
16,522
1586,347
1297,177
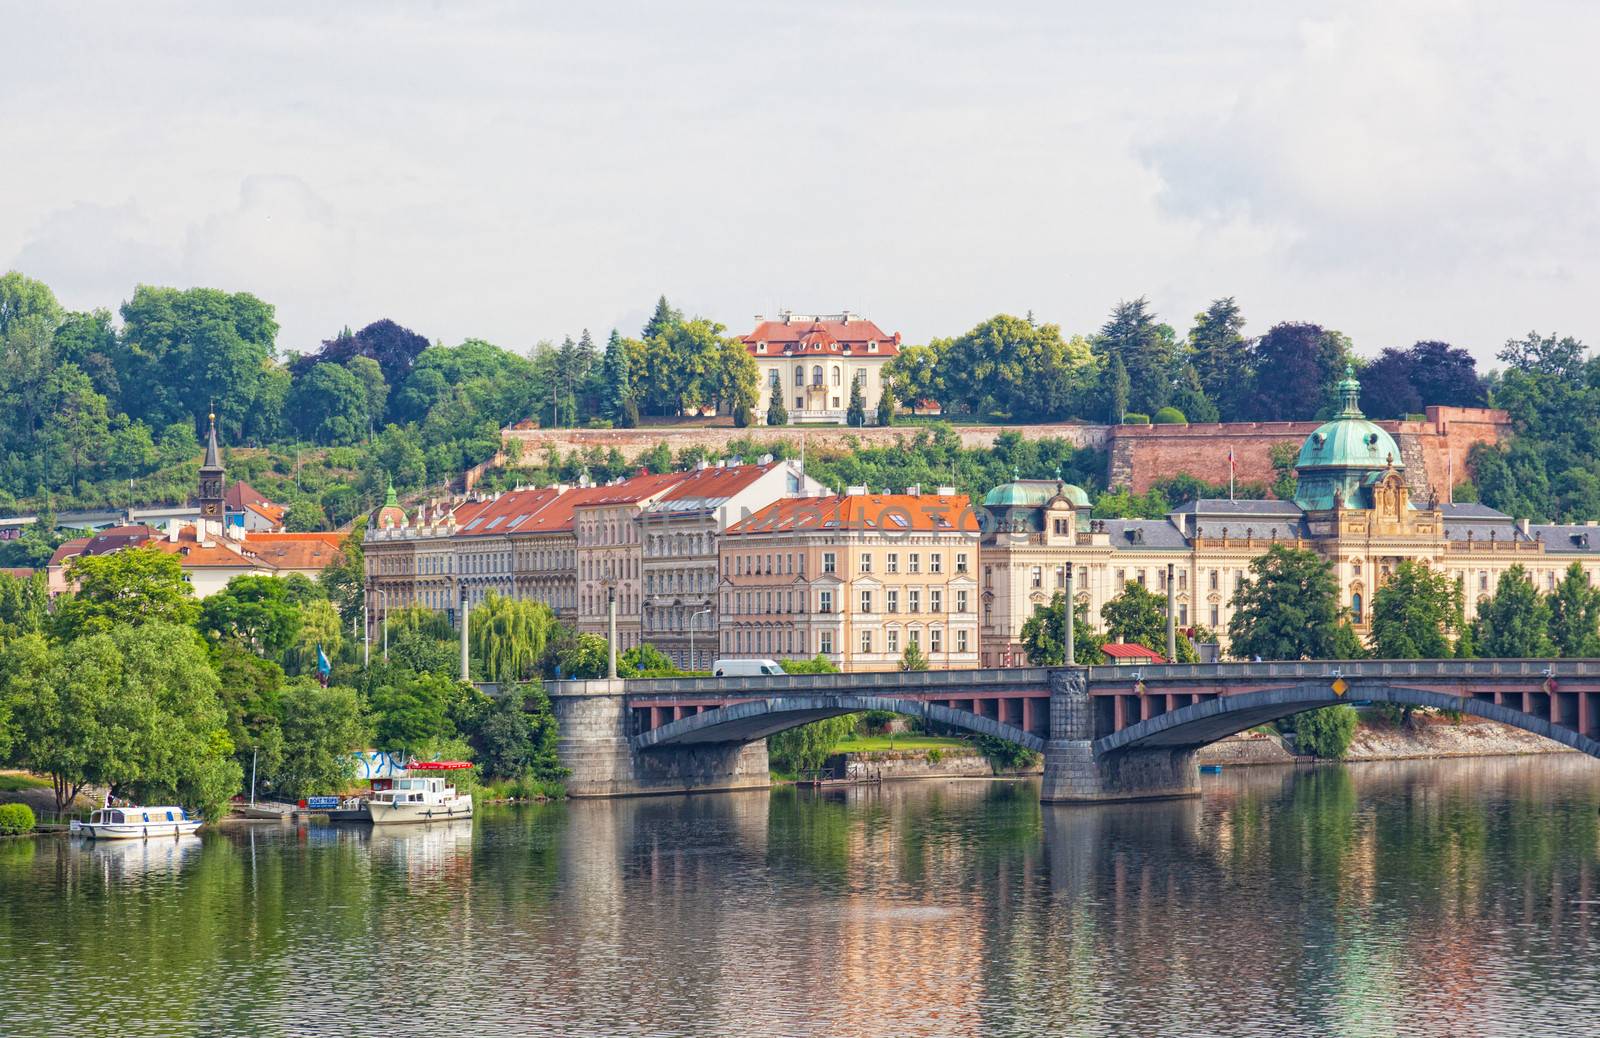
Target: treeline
x,y
1136,367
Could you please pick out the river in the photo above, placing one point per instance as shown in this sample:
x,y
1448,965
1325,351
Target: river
x,y
1440,897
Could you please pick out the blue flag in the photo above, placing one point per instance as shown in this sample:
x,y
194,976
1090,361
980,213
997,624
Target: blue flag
x,y
323,666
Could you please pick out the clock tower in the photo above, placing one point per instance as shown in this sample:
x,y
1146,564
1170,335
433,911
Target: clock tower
x,y
212,507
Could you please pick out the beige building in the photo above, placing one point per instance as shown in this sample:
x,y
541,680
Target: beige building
x,y
1352,506
810,360
855,577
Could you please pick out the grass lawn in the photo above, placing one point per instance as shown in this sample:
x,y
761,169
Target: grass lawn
x,y
16,782
871,743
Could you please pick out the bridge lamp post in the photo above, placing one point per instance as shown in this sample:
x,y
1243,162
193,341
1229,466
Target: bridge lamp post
x,y
704,612
1068,608
611,641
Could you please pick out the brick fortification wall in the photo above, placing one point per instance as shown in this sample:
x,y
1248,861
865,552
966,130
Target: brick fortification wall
x,y
1139,454
1144,454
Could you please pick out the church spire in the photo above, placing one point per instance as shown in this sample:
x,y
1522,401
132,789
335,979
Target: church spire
x,y
212,505
213,458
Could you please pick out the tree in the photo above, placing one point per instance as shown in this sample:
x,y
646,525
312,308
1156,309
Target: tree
x,y
1011,365
663,317
320,627
132,586
1138,616
1574,615
1402,382
508,636
620,402
856,415
322,727
517,735
1325,733
368,372
254,610
777,414
913,659
1220,357
1190,399
1288,609
395,349
806,748
345,581
1146,349
411,709
585,656
330,405
1417,614
1515,623
1537,354
24,605
646,661
1041,635
1115,387
1295,367
886,399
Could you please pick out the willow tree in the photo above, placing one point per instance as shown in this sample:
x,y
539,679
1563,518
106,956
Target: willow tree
x,y
508,636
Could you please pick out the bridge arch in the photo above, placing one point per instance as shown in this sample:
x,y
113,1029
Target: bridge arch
x,y
753,719
1205,722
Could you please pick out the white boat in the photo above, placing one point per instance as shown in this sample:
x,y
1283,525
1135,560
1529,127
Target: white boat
x,y
135,823
421,796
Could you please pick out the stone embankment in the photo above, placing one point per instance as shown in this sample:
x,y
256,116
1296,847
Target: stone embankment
x,y
1433,737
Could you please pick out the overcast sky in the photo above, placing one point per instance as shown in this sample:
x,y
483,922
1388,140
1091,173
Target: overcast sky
x,y
521,171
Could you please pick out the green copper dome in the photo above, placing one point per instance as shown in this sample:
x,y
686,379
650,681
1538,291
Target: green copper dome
x,y
1033,493
1342,457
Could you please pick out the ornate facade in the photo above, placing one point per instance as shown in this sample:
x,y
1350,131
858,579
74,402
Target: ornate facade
x,y
811,362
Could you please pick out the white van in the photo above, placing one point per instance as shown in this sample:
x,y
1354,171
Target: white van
x,y
745,668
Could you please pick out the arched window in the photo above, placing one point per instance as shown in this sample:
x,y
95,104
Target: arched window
x,y
1355,607
838,378
816,374
799,375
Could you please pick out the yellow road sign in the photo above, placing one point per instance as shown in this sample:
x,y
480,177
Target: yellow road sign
x,y
1339,686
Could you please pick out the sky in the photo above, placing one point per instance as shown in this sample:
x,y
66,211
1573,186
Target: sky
x,y
517,172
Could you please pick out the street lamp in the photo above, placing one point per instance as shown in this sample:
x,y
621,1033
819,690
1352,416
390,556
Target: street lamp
x,y
384,595
704,612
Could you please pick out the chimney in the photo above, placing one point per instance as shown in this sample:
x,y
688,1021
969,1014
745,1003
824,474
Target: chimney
x,y
855,491
914,490
700,466
765,459
1522,527
951,492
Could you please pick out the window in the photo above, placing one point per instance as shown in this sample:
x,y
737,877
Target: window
x,y
866,601
988,576
866,562
961,562
829,562
1061,527
1483,580
914,637
1355,608
914,597
1183,614
824,601
799,378
893,596
914,562
866,641
1213,579
838,379
1216,616
1183,580
775,380
892,563
816,375
988,614
961,640
936,640
935,600
961,601
935,563
892,641
1036,577
825,643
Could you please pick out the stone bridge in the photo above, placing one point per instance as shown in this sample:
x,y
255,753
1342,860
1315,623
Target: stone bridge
x,y
1105,732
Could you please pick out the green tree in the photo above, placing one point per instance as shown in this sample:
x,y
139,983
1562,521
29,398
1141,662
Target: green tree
x,y
254,610
1288,609
345,581
132,586
1138,616
1189,398
320,625
24,605
508,636
1011,365
886,399
664,317
620,404
584,656
1515,623
1295,367
330,404
913,659
777,414
1325,733
1220,358
646,661
1115,388
1574,614
856,415
1147,350
1417,614
1041,636
412,709
376,396
806,748
249,687
322,729
517,735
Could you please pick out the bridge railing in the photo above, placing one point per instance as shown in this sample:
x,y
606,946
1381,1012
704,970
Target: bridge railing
x,y
933,682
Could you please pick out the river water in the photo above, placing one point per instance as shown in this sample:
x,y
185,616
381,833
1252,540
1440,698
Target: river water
x,y
1443,897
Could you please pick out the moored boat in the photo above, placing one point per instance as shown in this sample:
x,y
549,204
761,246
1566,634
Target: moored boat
x,y
423,795
135,823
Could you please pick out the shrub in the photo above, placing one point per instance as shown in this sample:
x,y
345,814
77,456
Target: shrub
x,y
1168,416
935,755
1003,753
1135,418
15,819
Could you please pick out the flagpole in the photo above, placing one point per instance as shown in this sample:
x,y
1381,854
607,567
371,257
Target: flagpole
x,y
1230,473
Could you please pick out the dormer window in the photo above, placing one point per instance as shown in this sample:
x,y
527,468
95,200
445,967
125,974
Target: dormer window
x,y
872,346
761,347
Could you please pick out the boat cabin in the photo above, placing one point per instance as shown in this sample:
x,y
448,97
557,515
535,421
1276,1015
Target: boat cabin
x,y
138,815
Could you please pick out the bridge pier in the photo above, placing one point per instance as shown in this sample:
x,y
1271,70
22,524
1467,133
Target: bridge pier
x,y
1074,773
592,719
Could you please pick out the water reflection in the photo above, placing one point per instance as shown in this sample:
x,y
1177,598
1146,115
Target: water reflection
x,y
1418,897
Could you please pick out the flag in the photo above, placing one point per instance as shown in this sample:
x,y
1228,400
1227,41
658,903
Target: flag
x,y
1232,470
324,667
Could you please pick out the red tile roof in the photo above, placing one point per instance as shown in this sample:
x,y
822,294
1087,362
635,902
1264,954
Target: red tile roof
x,y
631,491
881,512
815,338
716,484
20,572
315,550
505,514
68,550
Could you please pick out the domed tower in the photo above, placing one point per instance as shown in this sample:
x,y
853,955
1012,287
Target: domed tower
x,y
1342,463
391,514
